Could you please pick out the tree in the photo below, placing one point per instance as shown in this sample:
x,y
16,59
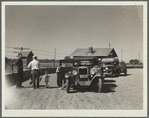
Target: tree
x,y
134,61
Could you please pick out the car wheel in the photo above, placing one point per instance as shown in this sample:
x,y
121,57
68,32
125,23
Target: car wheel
x,y
112,74
125,73
99,85
118,73
67,85
59,83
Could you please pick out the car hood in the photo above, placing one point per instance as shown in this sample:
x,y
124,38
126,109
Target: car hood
x,y
108,65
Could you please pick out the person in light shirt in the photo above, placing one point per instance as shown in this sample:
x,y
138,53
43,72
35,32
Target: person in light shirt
x,y
46,78
34,66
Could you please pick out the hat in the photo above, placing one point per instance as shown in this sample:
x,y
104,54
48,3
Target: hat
x,y
19,54
34,57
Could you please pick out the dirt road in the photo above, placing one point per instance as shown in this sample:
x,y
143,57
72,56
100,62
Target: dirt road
x,y
123,92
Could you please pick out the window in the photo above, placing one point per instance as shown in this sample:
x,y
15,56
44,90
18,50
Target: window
x,y
65,64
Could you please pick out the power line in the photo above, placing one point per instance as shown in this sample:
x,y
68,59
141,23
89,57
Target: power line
x,y
8,47
54,56
8,56
48,51
8,51
139,56
21,48
37,53
51,53
47,54
121,55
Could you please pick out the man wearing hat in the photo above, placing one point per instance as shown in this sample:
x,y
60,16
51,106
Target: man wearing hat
x,y
58,71
19,64
34,66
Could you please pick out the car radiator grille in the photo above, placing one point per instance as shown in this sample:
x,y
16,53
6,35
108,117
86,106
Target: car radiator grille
x,y
83,71
83,74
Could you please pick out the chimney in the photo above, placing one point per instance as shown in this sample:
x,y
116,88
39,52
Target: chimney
x,y
90,49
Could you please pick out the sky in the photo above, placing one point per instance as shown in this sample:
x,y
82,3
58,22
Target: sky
x,y
64,28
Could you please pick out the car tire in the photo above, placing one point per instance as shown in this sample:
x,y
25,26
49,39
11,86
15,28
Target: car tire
x,y
67,85
125,73
59,81
112,74
99,85
118,73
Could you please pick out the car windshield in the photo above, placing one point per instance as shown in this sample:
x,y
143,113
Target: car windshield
x,y
108,63
84,63
66,64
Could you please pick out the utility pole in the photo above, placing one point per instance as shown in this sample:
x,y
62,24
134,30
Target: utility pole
x,y
109,45
54,57
121,55
139,57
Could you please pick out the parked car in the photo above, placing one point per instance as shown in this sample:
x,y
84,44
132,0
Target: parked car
x,y
66,65
84,72
111,66
123,67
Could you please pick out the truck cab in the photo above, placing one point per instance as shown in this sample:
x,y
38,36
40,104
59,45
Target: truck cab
x,y
111,66
84,72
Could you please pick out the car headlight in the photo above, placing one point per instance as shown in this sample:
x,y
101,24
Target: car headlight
x,y
93,71
67,75
74,72
106,68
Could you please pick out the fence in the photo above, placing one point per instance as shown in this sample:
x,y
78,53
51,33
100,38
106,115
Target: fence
x,y
134,66
12,68
10,79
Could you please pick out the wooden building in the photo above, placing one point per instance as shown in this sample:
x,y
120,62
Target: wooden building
x,y
98,52
26,58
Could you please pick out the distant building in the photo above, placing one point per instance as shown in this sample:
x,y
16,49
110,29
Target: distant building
x,y
26,57
98,52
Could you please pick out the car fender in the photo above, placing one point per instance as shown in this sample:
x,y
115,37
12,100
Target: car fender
x,y
97,75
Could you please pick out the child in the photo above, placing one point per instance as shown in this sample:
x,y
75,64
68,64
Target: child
x,y
46,78
31,82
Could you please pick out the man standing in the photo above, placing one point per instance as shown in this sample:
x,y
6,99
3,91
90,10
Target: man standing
x,y
20,71
58,71
34,66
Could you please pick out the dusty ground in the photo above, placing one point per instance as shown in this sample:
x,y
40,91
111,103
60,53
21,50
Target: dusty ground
x,y
123,92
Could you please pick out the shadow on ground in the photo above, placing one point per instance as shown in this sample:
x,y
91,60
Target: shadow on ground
x,y
125,75
108,87
116,76
10,80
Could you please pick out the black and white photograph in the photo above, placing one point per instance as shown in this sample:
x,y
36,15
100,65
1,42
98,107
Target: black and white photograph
x,y
74,59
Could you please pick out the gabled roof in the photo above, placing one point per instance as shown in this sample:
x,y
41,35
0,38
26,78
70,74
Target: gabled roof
x,y
26,53
84,58
96,52
107,59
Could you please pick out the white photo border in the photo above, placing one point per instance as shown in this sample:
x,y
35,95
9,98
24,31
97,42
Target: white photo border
x,y
78,113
